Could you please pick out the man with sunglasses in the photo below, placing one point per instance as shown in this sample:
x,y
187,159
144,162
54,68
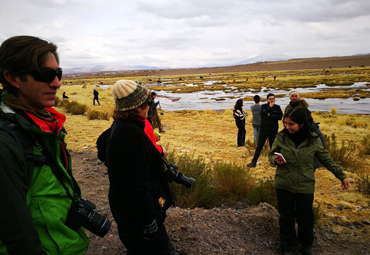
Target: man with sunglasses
x,y
34,201
270,115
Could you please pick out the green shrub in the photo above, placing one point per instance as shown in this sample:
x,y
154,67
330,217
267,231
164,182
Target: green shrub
x,y
202,192
233,182
364,148
97,115
264,192
74,107
363,184
343,155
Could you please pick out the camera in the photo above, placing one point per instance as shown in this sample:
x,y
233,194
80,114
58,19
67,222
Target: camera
x,y
173,175
82,214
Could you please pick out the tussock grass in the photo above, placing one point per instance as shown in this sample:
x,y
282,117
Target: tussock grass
x,y
232,181
203,192
97,115
364,148
363,184
334,110
75,107
263,192
343,155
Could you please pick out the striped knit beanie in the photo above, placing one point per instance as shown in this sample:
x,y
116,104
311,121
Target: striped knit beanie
x,y
129,95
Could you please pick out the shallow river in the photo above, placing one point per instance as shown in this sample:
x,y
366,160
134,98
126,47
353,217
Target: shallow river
x,y
218,100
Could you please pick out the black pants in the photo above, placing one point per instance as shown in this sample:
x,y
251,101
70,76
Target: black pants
x,y
241,132
136,245
97,99
262,137
295,207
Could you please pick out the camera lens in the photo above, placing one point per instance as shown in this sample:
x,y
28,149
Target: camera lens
x,y
97,224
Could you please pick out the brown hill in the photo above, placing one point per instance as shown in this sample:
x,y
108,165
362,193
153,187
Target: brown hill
x,y
292,64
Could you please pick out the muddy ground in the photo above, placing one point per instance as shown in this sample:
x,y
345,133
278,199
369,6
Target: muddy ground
x,y
237,229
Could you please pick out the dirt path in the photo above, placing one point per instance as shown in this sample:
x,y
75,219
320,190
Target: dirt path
x,y
222,230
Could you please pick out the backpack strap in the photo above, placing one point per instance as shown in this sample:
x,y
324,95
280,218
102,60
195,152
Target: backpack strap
x,y
25,141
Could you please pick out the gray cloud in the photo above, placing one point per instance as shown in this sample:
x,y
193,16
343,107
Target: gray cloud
x,y
189,33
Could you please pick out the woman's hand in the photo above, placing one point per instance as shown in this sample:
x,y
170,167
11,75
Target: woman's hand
x,y
279,160
345,184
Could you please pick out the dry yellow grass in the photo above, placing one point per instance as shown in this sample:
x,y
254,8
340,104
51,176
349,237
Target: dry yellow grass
x,y
213,136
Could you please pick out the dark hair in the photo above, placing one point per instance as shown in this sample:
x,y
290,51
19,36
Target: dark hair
x,y
300,116
154,94
238,104
256,99
24,53
132,114
270,95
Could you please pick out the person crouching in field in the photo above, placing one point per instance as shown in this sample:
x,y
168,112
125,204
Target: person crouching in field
x,y
294,181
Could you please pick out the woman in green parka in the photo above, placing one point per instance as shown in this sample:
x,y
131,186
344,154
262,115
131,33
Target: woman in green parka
x,y
295,179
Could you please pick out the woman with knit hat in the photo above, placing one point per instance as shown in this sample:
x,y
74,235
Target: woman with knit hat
x,y
139,193
295,101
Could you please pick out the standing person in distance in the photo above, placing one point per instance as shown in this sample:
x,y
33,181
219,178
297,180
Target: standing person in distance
x,y
270,115
295,179
139,194
96,95
256,119
239,116
153,114
35,201
295,101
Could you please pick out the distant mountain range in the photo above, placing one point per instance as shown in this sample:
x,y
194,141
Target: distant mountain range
x,y
117,67
106,68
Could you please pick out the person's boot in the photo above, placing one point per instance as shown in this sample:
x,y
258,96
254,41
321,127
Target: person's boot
x,y
306,250
252,164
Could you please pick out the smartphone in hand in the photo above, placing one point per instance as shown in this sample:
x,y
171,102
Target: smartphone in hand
x,y
279,155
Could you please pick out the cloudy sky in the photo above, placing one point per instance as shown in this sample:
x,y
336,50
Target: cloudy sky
x,y
190,33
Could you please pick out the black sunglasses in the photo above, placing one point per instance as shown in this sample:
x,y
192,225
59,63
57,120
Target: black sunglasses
x,y
47,74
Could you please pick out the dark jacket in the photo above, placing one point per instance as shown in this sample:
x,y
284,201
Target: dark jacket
x,y
270,117
153,109
302,104
136,175
96,93
33,214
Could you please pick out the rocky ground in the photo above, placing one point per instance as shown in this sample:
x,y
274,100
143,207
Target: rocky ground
x,y
237,229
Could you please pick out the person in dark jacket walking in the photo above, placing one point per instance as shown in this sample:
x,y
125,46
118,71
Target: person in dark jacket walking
x,y
139,194
239,116
96,95
294,181
270,115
